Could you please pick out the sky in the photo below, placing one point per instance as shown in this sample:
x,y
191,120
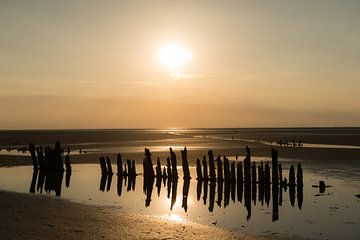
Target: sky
x,y
95,64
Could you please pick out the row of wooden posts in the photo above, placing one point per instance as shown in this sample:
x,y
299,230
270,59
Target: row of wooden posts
x,y
248,173
49,159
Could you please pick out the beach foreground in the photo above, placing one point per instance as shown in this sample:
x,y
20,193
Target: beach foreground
x,y
40,217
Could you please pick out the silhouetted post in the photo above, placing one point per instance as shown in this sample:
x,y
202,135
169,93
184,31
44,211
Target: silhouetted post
x,y
198,170
103,166
164,175
275,184
185,164
212,165
226,169
168,165
253,173
274,163
173,164
261,174
158,168
129,167
67,163
232,173
292,176
133,168
119,166
67,178
267,174
108,163
206,176
239,174
58,157
219,169
41,159
149,170
33,155
299,175
198,189
247,162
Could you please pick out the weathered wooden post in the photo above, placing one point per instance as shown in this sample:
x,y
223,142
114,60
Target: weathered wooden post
x,y
253,173
173,164
274,163
158,168
119,165
292,176
133,168
267,174
240,178
212,165
219,169
103,166
58,157
185,164
168,166
33,155
206,176
41,160
108,163
198,170
149,170
281,180
232,173
226,169
247,165
261,173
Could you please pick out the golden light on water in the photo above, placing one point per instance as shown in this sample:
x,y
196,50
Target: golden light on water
x,y
174,56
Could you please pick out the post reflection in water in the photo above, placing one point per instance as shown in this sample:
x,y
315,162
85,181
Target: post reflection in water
x,y
50,181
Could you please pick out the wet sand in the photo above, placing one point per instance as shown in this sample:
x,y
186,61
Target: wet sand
x,y
27,216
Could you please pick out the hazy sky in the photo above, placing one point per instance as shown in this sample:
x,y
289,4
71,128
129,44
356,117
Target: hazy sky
x,y
95,64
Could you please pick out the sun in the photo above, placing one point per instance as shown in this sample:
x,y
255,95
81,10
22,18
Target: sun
x,y
174,56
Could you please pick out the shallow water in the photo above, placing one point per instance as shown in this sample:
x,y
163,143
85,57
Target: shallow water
x,y
334,214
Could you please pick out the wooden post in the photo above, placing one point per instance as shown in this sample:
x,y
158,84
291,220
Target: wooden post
x,y
119,165
274,163
206,176
185,164
212,165
173,164
219,169
33,155
103,165
108,163
198,170
226,169
247,162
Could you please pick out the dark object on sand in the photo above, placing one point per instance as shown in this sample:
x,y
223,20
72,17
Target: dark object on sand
x,y
299,178
292,176
357,195
173,164
158,168
206,177
322,186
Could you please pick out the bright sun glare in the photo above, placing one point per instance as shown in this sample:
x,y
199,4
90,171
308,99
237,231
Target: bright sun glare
x,y
174,56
